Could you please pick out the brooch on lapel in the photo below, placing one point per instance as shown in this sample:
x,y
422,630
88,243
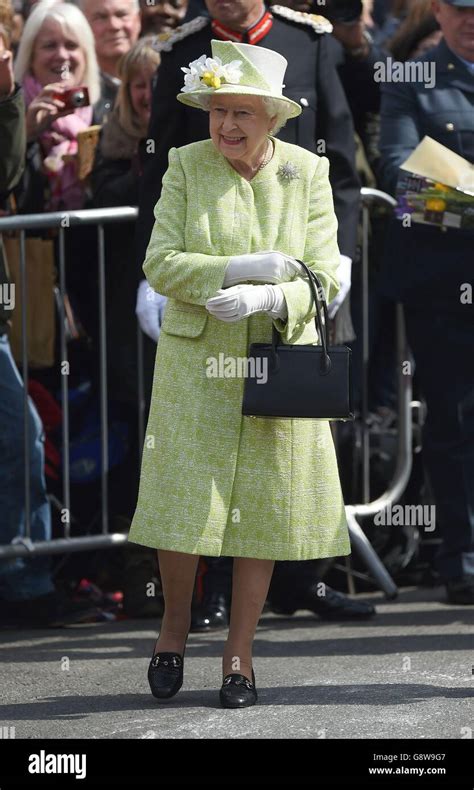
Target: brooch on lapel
x,y
288,171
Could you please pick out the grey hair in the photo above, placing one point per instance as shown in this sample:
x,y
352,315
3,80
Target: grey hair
x,y
281,109
273,107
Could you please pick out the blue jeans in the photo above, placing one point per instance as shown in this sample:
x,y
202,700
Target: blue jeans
x,y
21,578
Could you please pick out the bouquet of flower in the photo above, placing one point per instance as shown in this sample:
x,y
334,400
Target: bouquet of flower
x,y
433,203
436,187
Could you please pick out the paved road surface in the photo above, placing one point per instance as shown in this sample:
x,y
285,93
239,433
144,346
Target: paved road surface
x,y
407,673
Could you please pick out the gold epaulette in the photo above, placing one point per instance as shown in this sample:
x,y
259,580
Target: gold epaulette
x,y
163,42
319,23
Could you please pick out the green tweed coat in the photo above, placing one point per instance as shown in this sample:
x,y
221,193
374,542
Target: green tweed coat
x,y
212,481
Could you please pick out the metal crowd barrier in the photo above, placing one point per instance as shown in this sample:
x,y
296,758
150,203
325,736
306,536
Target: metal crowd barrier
x,y
23,546
370,197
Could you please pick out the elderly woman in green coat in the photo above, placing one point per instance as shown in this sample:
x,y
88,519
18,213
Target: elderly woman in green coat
x,y
235,213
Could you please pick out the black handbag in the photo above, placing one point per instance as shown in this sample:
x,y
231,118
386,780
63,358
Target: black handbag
x,y
300,381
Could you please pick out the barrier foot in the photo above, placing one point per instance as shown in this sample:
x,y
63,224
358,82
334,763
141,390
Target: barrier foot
x,y
372,561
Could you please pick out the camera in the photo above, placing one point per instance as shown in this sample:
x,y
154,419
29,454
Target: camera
x,y
343,11
74,98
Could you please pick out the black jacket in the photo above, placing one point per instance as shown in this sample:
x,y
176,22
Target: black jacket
x,y
114,182
108,95
311,74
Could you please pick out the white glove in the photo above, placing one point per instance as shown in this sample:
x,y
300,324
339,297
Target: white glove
x,y
240,301
264,267
344,276
149,310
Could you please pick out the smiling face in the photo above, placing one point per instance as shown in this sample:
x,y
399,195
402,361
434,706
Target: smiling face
x,y
457,24
116,26
140,94
239,126
57,56
162,16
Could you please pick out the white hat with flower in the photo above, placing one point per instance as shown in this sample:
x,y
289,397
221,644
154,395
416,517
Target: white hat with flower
x,y
237,69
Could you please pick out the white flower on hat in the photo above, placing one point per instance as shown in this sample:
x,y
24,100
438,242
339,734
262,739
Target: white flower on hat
x,y
210,73
232,72
192,79
192,82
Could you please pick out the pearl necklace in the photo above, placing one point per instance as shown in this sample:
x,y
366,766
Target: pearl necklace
x,y
268,156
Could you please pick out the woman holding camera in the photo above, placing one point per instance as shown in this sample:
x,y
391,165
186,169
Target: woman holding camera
x,y
56,62
57,67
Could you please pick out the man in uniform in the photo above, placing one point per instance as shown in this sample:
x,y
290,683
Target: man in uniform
x,y
430,270
325,127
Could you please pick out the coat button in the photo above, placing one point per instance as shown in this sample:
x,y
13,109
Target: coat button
x,y
451,66
450,127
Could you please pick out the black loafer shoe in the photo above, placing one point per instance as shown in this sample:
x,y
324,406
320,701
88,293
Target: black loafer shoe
x,y
333,605
165,674
461,590
211,614
237,691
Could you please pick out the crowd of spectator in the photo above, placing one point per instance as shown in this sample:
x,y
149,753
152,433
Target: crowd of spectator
x,y
111,51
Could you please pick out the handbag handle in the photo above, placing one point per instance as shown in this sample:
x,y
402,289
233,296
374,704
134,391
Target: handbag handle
x,y
323,330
